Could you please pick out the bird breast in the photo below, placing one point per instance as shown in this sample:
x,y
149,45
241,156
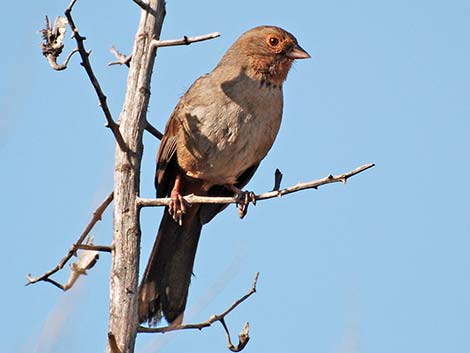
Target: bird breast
x,y
229,128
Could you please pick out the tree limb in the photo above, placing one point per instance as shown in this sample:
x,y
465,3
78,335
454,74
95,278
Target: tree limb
x,y
102,248
190,199
144,6
124,274
84,54
125,60
121,58
243,336
86,260
153,130
183,41
72,251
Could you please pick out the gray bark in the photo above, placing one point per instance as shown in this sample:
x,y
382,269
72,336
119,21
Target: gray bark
x,y
123,322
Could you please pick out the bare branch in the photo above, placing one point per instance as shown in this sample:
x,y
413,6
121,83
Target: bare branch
x,y
144,6
52,59
96,217
121,58
84,54
125,60
123,284
243,336
102,248
190,199
183,41
86,260
153,130
53,43
241,300
57,284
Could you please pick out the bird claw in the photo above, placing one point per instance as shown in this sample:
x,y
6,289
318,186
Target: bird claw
x,y
177,207
243,200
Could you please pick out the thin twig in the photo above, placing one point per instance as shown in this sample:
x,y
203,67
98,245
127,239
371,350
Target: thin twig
x,y
190,199
59,67
183,41
102,248
153,130
144,6
55,283
84,54
126,60
85,261
121,58
243,336
96,217
53,43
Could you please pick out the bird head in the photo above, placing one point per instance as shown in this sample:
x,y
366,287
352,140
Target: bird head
x,y
266,53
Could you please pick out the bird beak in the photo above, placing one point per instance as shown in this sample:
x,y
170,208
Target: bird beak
x,y
298,53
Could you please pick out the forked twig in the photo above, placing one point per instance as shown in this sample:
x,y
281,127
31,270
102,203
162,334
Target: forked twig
x,y
95,218
125,60
53,43
85,261
243,336
121,58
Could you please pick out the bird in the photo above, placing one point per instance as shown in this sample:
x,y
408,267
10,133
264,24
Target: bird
x,y
216,137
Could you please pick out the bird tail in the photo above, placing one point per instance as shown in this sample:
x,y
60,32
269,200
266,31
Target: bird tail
x,y
164,287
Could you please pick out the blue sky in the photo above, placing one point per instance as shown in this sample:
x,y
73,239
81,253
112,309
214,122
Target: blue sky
x,y
378,265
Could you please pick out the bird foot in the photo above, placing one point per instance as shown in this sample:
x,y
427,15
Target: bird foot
x,y
177,207
243,200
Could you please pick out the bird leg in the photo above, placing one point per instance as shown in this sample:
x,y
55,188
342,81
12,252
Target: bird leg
x,y
243,199
177,206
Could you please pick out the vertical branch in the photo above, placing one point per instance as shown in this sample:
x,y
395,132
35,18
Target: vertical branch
x,y
123,322
91,75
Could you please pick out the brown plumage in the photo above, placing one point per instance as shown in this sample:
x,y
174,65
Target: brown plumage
x,y
215,139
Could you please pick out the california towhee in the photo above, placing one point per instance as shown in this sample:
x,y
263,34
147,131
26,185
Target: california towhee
x,y
214,141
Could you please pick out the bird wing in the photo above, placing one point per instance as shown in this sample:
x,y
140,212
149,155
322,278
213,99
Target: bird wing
x,y
166,158
167,165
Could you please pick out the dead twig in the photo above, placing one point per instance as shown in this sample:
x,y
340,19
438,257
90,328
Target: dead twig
x,y
243,336
125,60
86,260
183,41
190,199
121,58
53,43
100,248
144,6
153,130
72,251
84,54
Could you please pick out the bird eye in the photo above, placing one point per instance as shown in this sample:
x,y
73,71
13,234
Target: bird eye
x,y
273,41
